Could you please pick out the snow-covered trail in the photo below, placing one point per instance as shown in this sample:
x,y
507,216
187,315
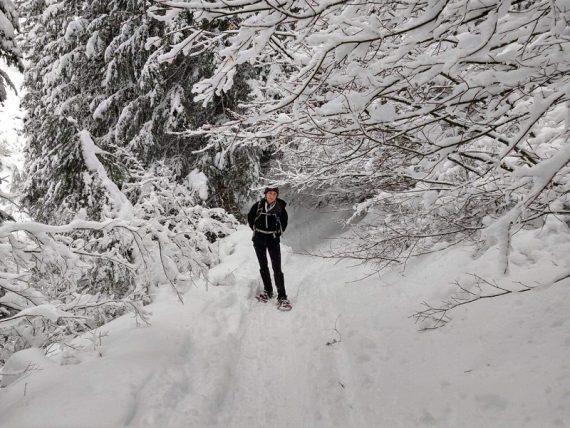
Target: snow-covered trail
x,y
246,364
284,364
347,355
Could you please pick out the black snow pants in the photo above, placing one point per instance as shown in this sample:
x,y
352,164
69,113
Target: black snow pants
x,y
264,244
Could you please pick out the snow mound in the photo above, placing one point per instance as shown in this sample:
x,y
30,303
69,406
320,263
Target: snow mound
x,y
23,363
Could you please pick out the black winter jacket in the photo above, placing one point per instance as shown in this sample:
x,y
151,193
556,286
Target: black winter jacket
x,y
275,220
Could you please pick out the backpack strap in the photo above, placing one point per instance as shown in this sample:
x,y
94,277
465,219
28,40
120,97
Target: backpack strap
x,y
257,215
277,213
259,211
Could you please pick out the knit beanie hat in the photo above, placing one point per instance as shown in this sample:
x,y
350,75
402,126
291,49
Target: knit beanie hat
x,y
271,189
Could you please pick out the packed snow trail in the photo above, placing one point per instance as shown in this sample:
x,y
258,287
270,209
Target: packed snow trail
x,y
284,364
347,355
253,365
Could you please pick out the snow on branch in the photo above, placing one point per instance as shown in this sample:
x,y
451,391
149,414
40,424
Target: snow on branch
x,y
454,112
67,279
433,317
90,151
9,50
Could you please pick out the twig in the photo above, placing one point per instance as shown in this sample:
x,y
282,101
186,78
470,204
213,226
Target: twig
x,y
334,341
437,316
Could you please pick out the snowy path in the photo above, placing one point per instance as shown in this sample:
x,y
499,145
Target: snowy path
x,y
254,366
224,360
242,363
284,365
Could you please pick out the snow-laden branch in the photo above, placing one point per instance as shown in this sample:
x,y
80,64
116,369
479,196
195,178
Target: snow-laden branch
x,y
65,279
433,317
9,50
434,109
90,151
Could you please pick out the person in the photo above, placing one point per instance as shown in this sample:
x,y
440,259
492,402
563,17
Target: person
x,y
268,220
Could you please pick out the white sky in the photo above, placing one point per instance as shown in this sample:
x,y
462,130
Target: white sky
x,y
9,112
11,121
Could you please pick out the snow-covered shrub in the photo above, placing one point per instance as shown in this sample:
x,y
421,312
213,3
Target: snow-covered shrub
x,y
59,281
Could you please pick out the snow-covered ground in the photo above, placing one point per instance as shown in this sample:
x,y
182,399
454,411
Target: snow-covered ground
x,y
347,355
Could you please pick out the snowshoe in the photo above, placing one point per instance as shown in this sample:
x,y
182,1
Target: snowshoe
x,y
284,305
263,297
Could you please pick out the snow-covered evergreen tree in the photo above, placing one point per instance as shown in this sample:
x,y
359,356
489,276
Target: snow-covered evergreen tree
x,y
94,66
9,50
10,55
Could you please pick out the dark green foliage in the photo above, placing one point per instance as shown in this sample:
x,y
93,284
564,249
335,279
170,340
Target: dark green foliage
x,y
95,67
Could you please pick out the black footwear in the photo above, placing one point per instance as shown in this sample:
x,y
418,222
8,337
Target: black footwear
x,y
263,297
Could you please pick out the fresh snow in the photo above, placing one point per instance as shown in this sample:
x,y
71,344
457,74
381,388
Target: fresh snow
x,y
199,183
347,355
90,151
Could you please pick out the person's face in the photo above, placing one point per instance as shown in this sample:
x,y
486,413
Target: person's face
x,y
270,196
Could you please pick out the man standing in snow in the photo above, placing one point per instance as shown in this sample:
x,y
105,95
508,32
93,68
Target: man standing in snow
x,y
268,220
